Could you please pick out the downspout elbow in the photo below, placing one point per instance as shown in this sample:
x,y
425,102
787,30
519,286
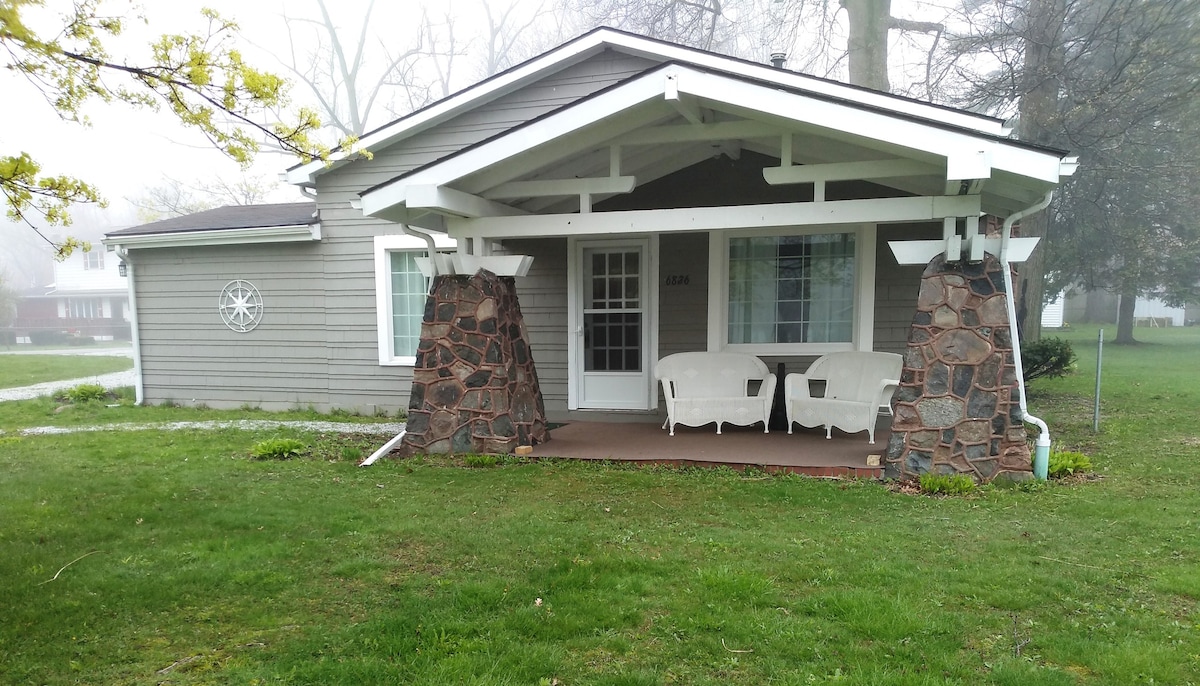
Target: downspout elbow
x,y
430,246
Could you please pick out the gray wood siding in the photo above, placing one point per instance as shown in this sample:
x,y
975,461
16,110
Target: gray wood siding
x,y
682,308
896,286
543,296
487,120
189,355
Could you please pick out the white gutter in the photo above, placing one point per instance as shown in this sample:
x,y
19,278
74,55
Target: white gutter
x,y
261,234
1042,453
135,335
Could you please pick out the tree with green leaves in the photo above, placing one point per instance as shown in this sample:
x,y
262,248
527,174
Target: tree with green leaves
x,y
201,78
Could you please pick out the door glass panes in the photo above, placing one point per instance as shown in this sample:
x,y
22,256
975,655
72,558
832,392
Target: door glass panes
x,y
791,289
409,289
612,310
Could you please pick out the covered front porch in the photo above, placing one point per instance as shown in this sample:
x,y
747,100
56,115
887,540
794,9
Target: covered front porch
x,y
806,451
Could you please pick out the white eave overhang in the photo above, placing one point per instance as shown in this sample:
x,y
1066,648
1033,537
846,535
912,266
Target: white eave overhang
x,y
597,41
605,116
294,233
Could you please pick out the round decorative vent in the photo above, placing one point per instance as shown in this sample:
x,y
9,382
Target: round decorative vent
x,y
241,306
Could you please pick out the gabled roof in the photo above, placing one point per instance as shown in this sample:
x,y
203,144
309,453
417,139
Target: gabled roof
x,y
273,223
598,40
944,145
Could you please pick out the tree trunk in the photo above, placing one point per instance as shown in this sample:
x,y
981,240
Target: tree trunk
x,y
1098,307
1125,320
1032,280
1039,104
869,21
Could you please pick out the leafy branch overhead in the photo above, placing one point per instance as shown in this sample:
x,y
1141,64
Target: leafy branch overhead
x,y
201,78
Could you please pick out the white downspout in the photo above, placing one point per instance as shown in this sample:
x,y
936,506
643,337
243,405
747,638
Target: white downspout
x,y
430,246
134,333
1042,451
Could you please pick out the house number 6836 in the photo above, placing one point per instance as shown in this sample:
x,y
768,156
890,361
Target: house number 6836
x,y
677,280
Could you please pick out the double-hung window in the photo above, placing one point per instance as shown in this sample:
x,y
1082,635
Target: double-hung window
x,y
400,293
93,259
797,292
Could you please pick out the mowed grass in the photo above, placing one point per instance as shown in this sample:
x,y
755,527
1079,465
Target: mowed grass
x,y
26,370
203,566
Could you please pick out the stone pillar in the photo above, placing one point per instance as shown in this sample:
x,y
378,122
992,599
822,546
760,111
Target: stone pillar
x,y
957,408
475,388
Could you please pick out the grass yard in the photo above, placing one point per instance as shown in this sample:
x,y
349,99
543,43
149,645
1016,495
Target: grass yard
x,y
26,370
154,557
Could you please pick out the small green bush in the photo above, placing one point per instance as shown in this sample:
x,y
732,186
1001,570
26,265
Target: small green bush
x,y
277,449
1049,357
946,484
481,460
86,392
1067,462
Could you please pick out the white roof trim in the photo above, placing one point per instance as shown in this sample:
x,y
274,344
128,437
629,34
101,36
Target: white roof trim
x,y
786,107
595,42
263,234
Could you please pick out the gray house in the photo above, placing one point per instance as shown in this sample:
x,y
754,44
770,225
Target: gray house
x,y
649,198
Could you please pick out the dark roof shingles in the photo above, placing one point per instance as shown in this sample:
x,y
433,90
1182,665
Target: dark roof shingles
x,y
229,217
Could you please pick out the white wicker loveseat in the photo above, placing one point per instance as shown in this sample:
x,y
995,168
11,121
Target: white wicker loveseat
x,y
702,388
857,385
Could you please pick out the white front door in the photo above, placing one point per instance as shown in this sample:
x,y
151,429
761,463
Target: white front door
x,y
611,360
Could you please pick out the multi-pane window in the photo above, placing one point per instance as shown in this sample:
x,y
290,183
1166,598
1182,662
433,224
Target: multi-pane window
x,y
791,289
612,311
409,288
85,308
93,259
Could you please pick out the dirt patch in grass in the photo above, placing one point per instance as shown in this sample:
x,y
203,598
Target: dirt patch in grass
x,y
415,559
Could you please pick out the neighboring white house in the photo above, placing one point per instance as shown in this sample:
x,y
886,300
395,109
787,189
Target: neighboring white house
x,y
670,199
88,298
1151,312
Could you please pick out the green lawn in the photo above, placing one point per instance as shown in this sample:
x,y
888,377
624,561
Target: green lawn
x,y
206,567
26,370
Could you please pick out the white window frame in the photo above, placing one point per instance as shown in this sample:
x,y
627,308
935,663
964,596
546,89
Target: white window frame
x,y
93,259
384,247
864,291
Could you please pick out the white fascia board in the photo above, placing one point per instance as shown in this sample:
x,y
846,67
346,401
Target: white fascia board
x,y
631,94
449,201
578,50
877,210
650,49
867,124
266,234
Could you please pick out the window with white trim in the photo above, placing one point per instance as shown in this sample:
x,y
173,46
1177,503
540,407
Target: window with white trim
x,y
792,291
93,259
409,290
401,289
85,308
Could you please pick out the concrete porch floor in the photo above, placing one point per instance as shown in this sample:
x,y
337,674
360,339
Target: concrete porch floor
x,y
805,452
